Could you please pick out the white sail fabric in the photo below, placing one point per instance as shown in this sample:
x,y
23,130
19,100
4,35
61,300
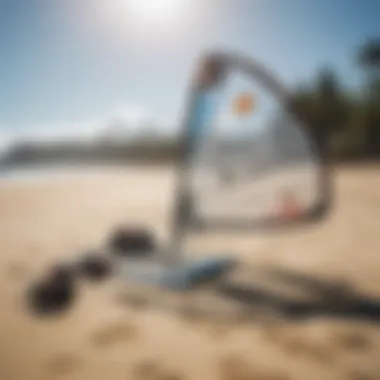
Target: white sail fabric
x,y
254,159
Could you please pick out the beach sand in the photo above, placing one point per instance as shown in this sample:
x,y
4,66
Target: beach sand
x,y
46,220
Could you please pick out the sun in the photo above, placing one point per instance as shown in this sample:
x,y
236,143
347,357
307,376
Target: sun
x,y
155,10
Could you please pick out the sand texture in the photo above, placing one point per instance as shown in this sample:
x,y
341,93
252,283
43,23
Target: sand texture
x,y
337,264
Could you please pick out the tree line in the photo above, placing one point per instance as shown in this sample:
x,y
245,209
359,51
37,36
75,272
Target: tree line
x,y
346,121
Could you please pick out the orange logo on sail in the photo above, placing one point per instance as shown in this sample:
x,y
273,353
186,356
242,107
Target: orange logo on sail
x,y
243,104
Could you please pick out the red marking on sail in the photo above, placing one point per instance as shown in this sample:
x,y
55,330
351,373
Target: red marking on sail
x,y
289,207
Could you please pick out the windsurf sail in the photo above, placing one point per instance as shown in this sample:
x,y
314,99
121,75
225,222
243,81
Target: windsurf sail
x,y
249,160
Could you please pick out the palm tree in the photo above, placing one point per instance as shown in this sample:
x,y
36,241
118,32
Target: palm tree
x,y
369,54
324,107
369,59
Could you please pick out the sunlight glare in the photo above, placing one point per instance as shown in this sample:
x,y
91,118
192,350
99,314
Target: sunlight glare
x,y
155,10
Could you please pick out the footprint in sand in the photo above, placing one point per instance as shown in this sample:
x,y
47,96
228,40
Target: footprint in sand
x,y
358,374
135,302
319,352
272,332
62,364
17,271
299,346
211,328
146,369
232,367
151,370
170,376
353,340
116,333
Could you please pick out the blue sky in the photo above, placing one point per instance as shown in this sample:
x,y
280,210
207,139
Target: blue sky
x,y
77,63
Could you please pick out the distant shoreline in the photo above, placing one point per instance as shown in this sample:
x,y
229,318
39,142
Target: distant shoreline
x,y
63,170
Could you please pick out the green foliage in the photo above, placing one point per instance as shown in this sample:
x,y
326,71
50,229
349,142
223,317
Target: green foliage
x,y
369,54
349,124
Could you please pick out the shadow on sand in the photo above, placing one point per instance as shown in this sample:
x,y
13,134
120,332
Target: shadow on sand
x,y
326,299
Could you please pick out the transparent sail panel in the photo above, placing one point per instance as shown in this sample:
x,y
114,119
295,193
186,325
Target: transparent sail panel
x,y
253,159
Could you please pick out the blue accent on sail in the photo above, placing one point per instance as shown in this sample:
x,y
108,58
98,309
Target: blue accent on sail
x,y
205,107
